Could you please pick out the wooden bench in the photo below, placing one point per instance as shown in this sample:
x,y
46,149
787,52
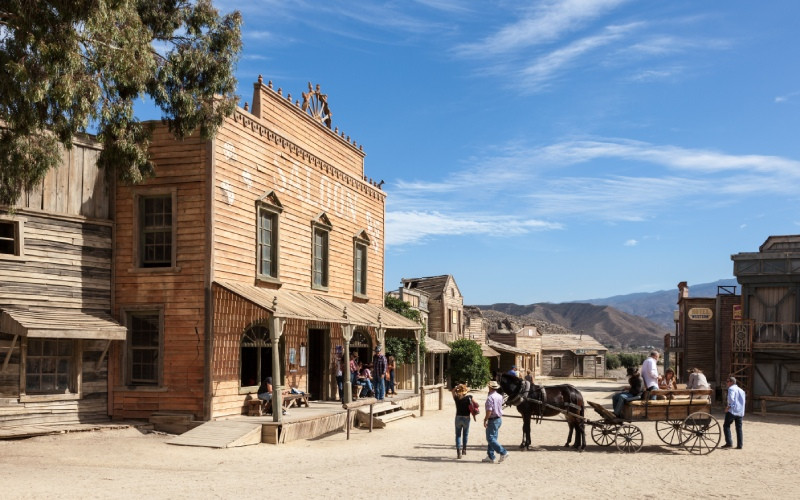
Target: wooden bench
x,y
292,400
678,404
787,400
256,407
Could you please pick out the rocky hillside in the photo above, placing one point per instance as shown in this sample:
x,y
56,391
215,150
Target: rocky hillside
x,y
608,325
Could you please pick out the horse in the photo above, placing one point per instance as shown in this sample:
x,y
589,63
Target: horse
x,y
545,401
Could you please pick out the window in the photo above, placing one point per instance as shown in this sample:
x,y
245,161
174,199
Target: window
x,y
48,366
599,360
11,237
156,231
319,252
268,210
144,348
557,362
360,246
256,356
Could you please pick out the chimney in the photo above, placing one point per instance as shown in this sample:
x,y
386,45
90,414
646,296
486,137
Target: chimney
x,y
683,290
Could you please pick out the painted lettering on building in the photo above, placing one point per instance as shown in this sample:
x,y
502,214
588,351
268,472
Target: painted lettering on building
x,y
700,313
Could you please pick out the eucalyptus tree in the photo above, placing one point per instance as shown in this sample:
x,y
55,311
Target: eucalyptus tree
x,y
72,66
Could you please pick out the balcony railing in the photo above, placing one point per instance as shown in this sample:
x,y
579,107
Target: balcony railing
x,y
776,333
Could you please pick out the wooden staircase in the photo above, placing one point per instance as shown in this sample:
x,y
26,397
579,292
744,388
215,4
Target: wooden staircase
x,y
382,414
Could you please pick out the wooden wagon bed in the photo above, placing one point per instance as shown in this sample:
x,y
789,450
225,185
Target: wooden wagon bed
x,y
683,403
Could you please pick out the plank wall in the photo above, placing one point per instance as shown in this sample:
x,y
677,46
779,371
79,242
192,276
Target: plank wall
x,y
251,161
180,166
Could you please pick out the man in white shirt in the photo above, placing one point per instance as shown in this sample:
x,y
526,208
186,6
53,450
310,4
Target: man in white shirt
x,y
650,372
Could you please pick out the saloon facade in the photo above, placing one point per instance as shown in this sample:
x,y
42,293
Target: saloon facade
x,y
258,253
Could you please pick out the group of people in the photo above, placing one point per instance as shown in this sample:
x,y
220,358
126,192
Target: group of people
x,y
649,380
376,379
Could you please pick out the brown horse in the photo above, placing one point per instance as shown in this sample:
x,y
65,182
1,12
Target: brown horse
x,y
546,401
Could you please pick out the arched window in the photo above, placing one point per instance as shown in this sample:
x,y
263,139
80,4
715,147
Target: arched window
x,y
256,355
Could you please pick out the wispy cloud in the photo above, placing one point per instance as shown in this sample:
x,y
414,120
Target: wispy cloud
x,y
631,243
403,227
786,97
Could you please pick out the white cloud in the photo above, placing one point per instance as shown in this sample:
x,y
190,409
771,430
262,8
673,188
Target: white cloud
x,y
405,227
631,243
786,97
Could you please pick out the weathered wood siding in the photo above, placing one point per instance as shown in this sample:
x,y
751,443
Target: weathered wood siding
x,y
66,262
701,337
567,364
182,167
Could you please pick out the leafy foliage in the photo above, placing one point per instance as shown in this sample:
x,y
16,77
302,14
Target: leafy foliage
x,y
467,364
624,359
404,350
69,65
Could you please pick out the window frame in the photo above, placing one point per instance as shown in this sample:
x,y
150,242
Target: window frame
x,y
274,209
361,245
18,238
128,314
320,226
557,360
139,230
73,389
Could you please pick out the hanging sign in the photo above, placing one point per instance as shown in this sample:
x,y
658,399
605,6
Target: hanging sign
x,y
700,314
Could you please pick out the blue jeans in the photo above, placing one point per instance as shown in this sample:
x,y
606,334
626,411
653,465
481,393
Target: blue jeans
x,y
492,429
462,429
390,382
729,419
340,386
619,401
380,388
366,387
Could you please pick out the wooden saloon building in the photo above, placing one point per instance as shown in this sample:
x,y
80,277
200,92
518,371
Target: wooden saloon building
x,y
259,253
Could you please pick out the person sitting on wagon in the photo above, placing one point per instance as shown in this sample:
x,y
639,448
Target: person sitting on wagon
x,y
667,383
697,380
631,393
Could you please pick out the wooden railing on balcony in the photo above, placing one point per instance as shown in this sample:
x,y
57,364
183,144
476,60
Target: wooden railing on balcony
x,y
672,342
776,333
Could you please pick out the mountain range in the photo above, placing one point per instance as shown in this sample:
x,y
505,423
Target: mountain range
x,y
637,320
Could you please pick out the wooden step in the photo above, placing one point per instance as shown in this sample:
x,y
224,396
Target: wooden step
x,y
395,415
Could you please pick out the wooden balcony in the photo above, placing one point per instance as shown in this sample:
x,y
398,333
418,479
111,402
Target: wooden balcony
x,y
769,335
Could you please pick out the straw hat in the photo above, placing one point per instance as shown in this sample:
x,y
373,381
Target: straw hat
x,y
494,385
460,390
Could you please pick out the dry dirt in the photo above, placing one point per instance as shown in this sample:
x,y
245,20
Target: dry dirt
x,y
411,458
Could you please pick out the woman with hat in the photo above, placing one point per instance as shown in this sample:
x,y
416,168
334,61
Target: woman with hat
x,y
463,403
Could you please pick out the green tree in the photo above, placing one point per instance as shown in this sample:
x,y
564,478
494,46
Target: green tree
x,y
404,350
71,65
467,364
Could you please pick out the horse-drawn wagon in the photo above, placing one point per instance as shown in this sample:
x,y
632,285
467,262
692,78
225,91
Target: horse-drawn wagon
x,y
682,418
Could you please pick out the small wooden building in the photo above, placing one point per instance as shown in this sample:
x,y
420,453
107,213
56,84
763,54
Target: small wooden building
x,y
55,296
259,253
519,345
569,355
445,305
765,341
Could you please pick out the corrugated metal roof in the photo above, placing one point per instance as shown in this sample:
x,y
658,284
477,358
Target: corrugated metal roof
x,y
434,346
308,306
54,322
506,348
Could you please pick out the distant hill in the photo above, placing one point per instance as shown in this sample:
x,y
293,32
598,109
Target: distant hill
x,y
609,326
658,306
633,320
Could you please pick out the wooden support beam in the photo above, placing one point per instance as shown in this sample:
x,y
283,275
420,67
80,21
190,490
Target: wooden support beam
x,y
8,354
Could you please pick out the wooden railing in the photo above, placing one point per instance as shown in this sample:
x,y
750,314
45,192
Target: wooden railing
x,y
776,333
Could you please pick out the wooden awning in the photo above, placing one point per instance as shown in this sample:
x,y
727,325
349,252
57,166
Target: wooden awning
x,y
488,352
498,346
60,323
434,346
322,308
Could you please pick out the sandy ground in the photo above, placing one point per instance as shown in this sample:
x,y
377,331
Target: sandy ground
x,y
411,458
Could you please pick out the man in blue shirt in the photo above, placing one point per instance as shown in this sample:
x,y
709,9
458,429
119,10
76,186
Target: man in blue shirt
x,y
734,413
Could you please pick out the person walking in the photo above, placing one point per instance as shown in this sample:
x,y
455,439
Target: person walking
x,y
734,413
379,373
492,422
463,402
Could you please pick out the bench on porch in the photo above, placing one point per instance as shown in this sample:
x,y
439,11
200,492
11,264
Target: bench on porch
x,y
291,400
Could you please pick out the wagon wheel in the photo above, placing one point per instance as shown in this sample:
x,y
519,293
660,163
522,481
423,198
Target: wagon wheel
x,y
604,434
669,431
629,438
701,433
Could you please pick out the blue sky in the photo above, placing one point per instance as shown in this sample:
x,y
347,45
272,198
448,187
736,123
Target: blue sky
x,y
550,151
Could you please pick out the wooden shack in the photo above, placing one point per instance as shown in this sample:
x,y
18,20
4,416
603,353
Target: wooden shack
x,y
568,355
519,345
765,336
259,253
55,296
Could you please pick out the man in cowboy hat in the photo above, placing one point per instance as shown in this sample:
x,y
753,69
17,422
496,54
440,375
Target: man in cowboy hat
x,y
492,422
378,373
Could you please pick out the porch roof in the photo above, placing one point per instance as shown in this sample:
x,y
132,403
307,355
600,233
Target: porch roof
x,y
488,352
60,323
307,306
434,346
507,348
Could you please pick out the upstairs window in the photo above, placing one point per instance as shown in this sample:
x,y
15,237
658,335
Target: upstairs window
x,y
11,237
156,231
360,247
268,209
320,229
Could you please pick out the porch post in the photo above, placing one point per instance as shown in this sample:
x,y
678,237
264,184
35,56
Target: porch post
x,y
418,379
347,384
276,325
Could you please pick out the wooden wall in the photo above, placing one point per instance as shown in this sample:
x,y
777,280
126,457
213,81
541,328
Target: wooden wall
x,y
181,166
700,336
251,161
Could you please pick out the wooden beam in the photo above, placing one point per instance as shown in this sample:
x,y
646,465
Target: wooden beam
x,y
102,357
8,354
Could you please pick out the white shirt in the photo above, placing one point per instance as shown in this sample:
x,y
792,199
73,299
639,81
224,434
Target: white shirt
x,y
650,372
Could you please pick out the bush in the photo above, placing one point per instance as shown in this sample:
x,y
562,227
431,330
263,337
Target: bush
x,y
467,364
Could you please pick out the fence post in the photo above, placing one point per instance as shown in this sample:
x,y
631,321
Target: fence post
x,y
441,397
421,401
